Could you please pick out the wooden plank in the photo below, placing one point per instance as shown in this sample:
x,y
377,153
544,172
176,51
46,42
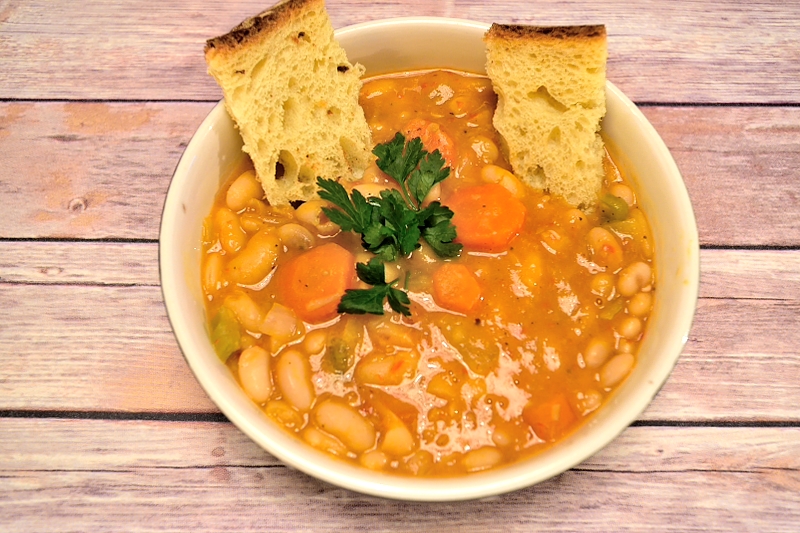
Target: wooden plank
x,y
740,170
658,52
771,274
764,274
741,362
97,445
99,170
95,263
102,169
117,476
92,348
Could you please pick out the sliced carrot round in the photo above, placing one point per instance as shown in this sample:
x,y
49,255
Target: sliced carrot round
x,y
456,288
486,217
313,283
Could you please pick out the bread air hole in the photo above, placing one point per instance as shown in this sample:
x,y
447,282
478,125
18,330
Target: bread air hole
x,y
286,166
555,136
544,95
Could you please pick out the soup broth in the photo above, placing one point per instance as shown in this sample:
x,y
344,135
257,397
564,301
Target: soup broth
x,y
508,347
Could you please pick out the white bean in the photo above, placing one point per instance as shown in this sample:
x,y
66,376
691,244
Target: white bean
x,y
293,374
481,459
315,341
254,373
246,310
640,304
602,285
212,273
296,236
495,174
596,352
630,328
635,277
374,460
397,439
231,235
370,190
311,213
620,190
616,369
285,414
324,442
256,260
243,188
606,250
346,424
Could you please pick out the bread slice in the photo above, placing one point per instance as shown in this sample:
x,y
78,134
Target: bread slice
x,y
294,97
550,83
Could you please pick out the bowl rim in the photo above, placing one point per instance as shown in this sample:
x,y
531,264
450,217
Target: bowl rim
x,y
337,472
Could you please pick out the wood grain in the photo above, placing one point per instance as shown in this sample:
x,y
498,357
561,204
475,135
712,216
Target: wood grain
x,y
96,445
86,263
740,363
658,51
101,170
107,476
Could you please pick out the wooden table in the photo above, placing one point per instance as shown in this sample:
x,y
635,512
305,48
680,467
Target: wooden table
x,y
102,425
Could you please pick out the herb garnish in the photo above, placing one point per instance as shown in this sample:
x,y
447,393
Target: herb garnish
x,y
360,301
392,225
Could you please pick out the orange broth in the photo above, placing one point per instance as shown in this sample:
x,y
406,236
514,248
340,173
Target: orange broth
x,y
467,382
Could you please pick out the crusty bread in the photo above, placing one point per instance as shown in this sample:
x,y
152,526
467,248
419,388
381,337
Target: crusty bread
x,y
550,84
294,97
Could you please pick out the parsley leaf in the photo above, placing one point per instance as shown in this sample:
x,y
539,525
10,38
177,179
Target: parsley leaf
x,y
361,301
355,215
430,172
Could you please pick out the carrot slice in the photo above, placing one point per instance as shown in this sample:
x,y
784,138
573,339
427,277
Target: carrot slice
x,y
456,288
433,138
551,419
486,217
313,283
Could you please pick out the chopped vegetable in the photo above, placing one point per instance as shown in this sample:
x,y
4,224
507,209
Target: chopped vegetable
x,y
361,301
226,334
611,310
340,355
456,288
486,217
613,207
313,283
549,419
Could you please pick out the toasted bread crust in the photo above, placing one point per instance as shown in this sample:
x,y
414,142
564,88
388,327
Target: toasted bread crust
x,y
256,27
514,31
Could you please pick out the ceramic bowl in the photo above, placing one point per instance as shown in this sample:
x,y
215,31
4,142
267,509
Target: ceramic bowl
x,y
412,44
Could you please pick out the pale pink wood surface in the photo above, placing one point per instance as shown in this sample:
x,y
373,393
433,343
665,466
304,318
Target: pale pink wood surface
x,y
102,425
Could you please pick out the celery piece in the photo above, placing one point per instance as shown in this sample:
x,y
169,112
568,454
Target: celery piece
x,y
610,311
226,334
613,207
340,355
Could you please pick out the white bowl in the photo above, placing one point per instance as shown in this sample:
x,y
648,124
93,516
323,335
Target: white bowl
x,y
408,44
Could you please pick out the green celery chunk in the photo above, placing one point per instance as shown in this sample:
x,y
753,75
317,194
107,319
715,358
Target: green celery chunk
x,y
613,207
340,355
226,333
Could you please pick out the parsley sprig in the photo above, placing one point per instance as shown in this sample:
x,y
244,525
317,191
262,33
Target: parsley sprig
x,y
392,224
360,301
